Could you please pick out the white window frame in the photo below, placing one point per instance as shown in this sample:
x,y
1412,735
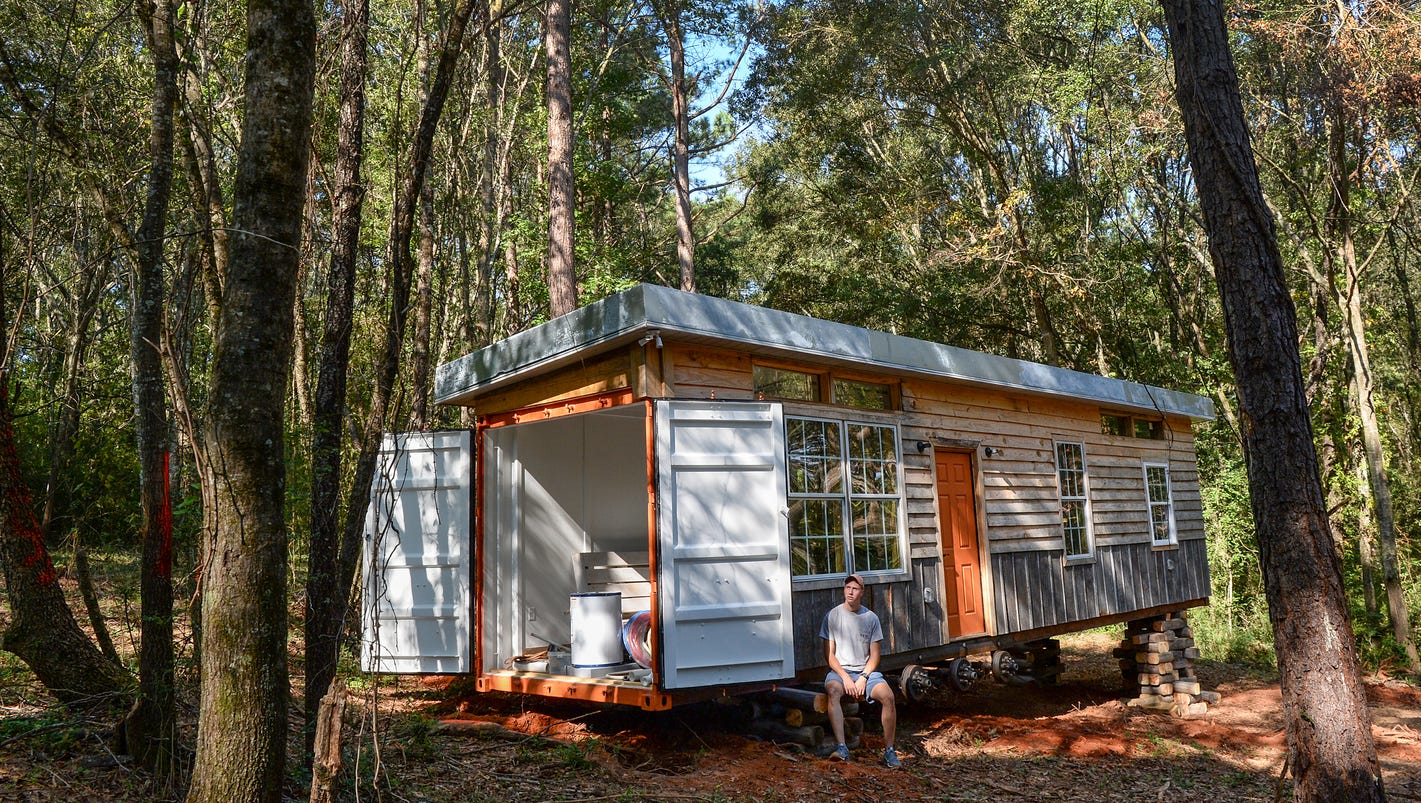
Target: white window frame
x,y
1067,495
1167,504
847,497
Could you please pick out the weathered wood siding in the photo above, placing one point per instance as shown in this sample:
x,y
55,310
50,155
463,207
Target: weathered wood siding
x,y
1035,589
1029,585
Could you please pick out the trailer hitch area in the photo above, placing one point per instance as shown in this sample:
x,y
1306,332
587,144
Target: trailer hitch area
x,y
917,682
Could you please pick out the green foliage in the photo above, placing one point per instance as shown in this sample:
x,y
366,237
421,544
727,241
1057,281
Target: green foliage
x,y
53,733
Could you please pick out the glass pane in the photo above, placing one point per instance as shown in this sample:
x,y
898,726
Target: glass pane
x,y
836,557
865,395
1160,516
799,557
782,383
1158,480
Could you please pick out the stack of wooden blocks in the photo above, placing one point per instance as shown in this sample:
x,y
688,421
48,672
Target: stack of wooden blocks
x,y
1158,654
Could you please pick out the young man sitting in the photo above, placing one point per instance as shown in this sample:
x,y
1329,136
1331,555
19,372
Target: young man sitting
x,y
852,641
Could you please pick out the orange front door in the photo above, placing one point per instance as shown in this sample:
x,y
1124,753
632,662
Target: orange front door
x,y
957,508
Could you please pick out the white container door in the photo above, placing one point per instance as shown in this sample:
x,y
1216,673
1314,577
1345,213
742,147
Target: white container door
x,y
723,544
417,604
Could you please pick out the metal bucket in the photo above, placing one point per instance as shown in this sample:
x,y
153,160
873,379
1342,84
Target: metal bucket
x,y
596,629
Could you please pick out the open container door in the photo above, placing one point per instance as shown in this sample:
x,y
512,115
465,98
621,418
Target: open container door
x,y
416,607
722,544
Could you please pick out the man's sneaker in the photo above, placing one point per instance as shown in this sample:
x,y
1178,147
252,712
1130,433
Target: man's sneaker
x,y
890,758
841,753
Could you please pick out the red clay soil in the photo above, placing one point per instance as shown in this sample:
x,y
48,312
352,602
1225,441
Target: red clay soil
x,y
1076,741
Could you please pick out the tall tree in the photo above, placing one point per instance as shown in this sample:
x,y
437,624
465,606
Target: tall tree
x,y
324,592
241,733
151,727
670,16
336,559
562,195
1329,730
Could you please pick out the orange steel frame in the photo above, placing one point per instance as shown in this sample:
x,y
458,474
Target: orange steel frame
x,y
591,689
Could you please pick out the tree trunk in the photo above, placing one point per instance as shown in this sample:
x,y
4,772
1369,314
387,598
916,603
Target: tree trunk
x,y
241,732
562,197
42,630
681,147
334,560
150,727
323,587
1325,710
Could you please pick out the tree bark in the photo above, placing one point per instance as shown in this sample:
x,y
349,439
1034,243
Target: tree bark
x,y
150,727
562,196
323,586
681,146
1325,710
241,732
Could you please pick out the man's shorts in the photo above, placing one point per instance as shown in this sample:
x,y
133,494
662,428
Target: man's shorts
x,y
874,679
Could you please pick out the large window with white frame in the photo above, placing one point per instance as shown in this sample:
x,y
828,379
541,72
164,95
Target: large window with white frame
x,y
1075,499
1161,501
845,497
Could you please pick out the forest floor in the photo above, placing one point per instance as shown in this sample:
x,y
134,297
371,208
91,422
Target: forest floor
x,y
1074,741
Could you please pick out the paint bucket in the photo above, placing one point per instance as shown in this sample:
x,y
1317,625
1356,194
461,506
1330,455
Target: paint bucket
x,y
596,629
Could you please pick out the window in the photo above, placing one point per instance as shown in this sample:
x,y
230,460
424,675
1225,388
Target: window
x,y
1112,424
844,497
1157,491
865,395
1075,504
782,383
1151,430
1125,426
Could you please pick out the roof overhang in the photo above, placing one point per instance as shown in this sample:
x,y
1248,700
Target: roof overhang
x,y
644,310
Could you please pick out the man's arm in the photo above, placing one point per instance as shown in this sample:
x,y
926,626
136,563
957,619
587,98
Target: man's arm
x,y
836,667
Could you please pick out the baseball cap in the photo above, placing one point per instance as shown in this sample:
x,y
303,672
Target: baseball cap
x,y
853,578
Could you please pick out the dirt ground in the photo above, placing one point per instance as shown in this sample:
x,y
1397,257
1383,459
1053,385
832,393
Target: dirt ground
x,y
1076,741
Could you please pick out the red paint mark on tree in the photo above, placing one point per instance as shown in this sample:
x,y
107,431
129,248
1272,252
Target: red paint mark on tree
x,y
19,514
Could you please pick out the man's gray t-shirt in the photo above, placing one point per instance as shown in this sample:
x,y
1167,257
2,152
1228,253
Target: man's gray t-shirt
x,y
852,634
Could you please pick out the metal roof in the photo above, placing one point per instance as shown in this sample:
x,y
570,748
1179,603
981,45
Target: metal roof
x,y
651,309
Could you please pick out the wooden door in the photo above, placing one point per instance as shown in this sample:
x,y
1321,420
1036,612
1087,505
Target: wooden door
x,y
957,509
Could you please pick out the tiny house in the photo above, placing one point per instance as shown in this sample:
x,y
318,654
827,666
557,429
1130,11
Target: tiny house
x,y
678,485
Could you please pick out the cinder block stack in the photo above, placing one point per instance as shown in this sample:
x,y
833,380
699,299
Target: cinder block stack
x,y
1157,660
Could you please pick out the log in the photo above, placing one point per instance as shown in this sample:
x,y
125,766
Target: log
x,y
806,700
325,766
1150,638
1210,697
798,717
1154,657
811,736
853,731
1187,686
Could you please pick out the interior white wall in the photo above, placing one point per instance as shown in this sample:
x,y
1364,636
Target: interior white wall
x,y
555,489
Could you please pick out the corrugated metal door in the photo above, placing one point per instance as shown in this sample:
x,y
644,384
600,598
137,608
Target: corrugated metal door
x,y
416,608
723,544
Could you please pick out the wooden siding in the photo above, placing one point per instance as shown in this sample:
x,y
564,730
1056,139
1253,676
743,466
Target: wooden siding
x,y
600,375
1035,589
1020,504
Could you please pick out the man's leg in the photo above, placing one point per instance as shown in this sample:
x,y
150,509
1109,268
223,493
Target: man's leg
x,y
884,695
835,690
